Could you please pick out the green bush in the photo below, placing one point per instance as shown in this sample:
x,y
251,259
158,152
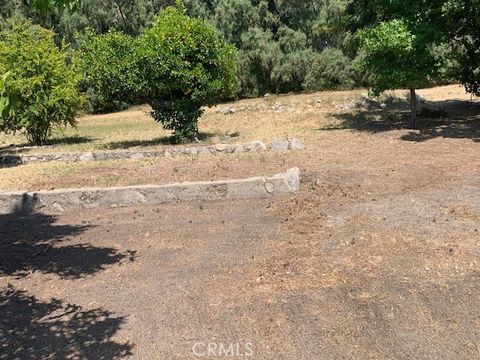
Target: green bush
x,y
330,70
108,62
42,82
177,66
182,66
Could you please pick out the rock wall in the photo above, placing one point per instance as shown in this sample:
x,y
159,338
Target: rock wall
x,y
88,198
254,146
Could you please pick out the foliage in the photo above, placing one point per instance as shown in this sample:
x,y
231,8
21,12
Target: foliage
x,y
278,40
45,5
109,69
446,37
398,41
395,56
183,65
272,66
292,32
42,80
6,100
462,19
330,70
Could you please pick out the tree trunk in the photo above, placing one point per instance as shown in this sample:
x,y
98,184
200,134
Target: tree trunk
x,y
195,135
413,107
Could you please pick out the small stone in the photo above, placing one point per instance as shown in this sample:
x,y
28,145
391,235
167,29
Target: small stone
x,y
254,146
177,151
239,149
280,145
87,156
99,155
295,144
224,148
228,111
269,187
204,151
136,155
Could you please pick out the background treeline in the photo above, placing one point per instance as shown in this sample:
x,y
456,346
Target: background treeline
x,y
283,45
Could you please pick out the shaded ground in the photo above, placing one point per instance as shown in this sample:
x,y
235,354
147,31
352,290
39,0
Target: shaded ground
x,y
460,119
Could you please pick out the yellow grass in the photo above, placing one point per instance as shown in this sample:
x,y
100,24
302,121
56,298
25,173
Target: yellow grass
x,y
259,119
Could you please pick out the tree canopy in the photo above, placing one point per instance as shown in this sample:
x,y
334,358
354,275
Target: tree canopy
x,y
407,44
39,88
276,40
283,46
178,66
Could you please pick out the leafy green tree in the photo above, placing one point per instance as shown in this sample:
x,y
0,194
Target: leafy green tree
x,y
293,62
42,79
256,61
183,66
110,70
462,24
397,39
292,33
235,17
397,59
327,29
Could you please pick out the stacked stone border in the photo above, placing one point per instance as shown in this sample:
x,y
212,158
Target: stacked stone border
x,y
254,146
89,198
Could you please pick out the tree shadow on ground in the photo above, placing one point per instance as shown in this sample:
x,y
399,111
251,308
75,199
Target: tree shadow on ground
x,y
70,140
8,161
67,140
462,120
165,140
32,242
34,329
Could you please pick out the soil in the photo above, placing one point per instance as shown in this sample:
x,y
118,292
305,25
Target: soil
x,y
377,257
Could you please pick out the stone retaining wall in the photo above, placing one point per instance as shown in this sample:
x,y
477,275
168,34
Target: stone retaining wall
x,y
87,198
254,146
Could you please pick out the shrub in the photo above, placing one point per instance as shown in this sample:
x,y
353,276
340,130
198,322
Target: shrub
x,y
43,81
182,66
177,66
108,63
330,70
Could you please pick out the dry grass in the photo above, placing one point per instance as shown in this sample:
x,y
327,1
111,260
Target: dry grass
x,y
259,119
305,116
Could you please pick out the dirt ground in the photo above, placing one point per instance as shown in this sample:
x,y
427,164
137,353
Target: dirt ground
x,y
331,124
377,257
